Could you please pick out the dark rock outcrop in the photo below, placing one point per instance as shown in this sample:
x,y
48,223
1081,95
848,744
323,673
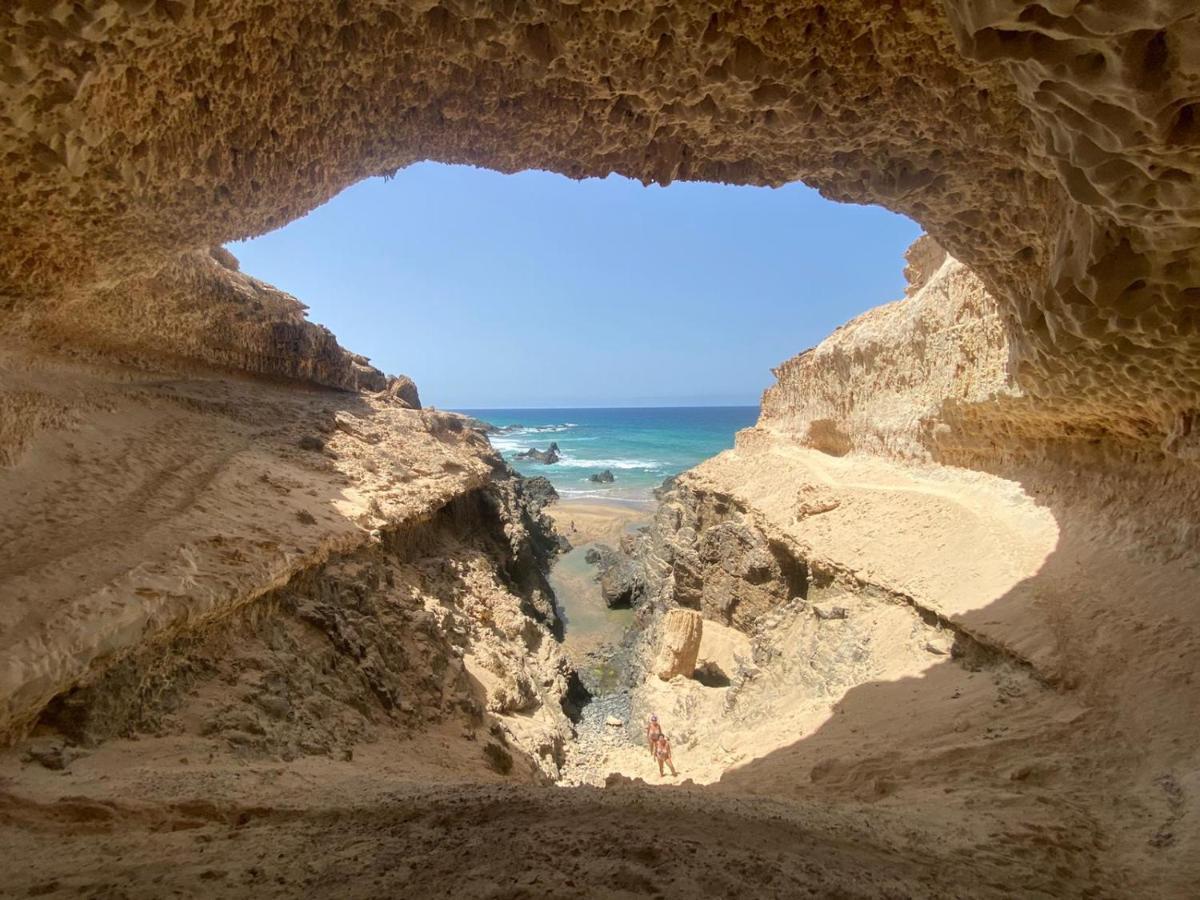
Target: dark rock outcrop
x,y
621,580
706,553
605,477
621,584
535,494
480,425
538,493
549,456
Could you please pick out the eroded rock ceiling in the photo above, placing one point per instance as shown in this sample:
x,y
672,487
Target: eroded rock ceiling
x,y
1054,147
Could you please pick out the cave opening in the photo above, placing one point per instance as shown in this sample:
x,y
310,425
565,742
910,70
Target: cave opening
x,y
608,335
563,293
948,574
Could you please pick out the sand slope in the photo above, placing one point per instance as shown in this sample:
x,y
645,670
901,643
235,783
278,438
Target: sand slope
x,y
136,504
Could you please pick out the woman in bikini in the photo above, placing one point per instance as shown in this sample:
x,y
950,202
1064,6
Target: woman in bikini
x,y
653,733
662,752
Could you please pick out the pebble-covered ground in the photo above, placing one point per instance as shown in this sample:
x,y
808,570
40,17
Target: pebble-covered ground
x,y
610,733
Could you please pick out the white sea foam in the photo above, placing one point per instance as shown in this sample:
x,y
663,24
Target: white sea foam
x,y
502,444
542,429
568,462
607,496
513,441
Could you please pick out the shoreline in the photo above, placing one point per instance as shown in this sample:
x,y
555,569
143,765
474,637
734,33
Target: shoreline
x,y
646,504
585,521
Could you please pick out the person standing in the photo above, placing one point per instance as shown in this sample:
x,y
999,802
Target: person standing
x,y
653,733
662,752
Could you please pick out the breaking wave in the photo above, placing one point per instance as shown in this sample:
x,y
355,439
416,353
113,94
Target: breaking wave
x,y
568,462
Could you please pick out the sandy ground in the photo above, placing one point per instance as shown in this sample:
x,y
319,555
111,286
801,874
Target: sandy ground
x,y
855,761
588,521
419,817
589,623
963,688
476,840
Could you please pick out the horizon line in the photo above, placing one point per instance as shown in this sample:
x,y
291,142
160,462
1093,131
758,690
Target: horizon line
x,y
591,406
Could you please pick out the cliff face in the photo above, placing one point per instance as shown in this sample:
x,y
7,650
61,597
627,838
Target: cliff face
x,y
933,378
198,311
1051,148
146,516
379,645
878,383
918,630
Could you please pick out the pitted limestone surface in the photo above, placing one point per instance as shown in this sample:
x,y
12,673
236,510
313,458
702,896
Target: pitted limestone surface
x,y
1052,147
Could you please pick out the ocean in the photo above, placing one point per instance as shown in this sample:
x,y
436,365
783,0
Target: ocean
x,y
640,446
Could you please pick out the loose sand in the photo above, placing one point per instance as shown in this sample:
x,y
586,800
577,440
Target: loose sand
x,y
588,521
867,753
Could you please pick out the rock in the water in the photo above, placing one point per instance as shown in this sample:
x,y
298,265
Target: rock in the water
x,y
549,456
613,722
605,477
621,581
679,646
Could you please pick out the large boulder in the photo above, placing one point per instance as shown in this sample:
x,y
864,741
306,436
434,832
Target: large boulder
x,y
621,582
621,579
679,644
402,391
605,477
723,652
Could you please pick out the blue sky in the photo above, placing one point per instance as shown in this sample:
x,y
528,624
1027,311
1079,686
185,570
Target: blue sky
x,y
534,290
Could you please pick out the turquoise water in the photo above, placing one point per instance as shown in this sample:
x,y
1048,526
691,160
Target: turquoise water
x,y
641,446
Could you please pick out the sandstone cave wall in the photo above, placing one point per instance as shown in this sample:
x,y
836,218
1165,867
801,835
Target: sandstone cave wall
x,y
1051,147
200,308
930,379
135,506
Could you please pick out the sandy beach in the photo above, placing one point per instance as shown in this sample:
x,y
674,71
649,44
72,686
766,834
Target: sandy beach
x,y
587,521
589,622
